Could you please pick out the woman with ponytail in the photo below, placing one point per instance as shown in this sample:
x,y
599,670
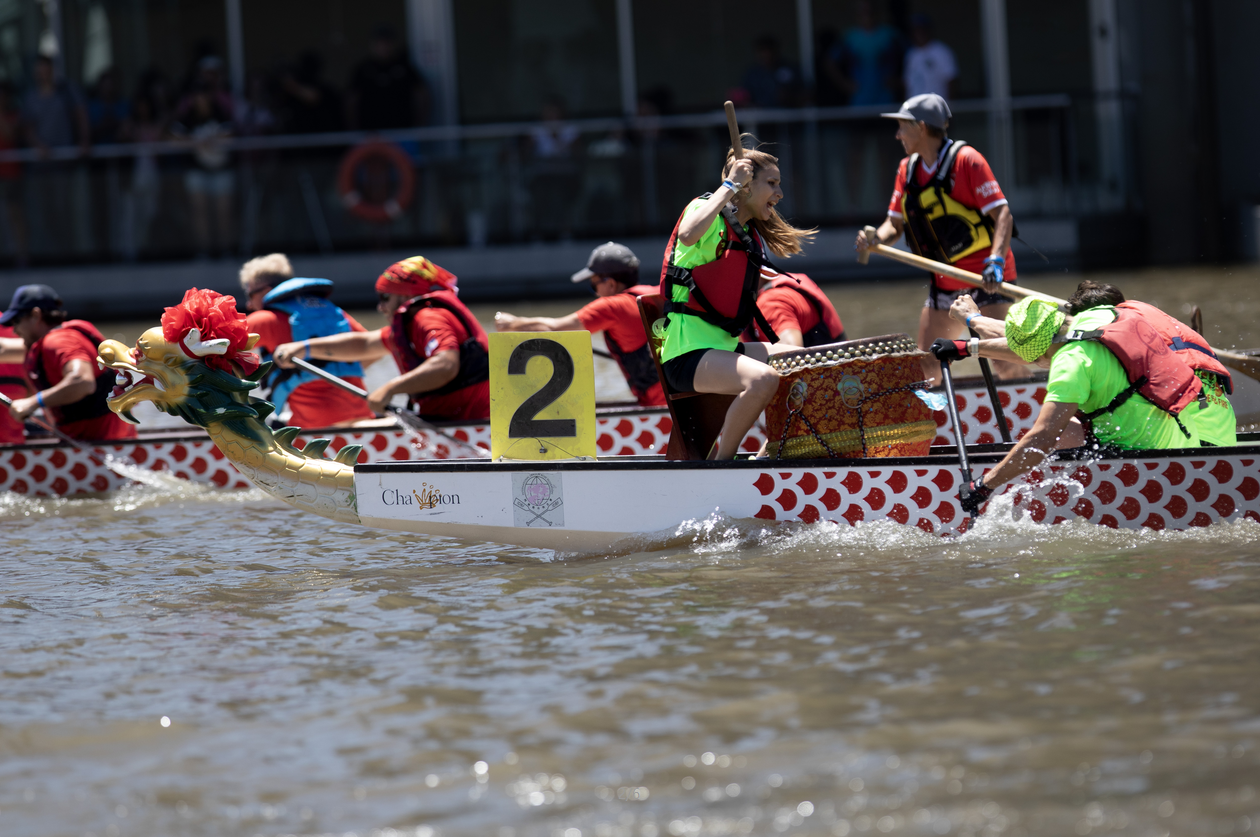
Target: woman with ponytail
x,y
709,280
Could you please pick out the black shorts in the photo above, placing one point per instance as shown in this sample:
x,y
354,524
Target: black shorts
x,y
680,372
940,300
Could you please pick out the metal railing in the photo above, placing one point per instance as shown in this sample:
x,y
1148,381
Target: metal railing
x,y
492,183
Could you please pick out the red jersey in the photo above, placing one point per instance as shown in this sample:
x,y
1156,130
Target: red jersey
x,y
12,384
618,316
57,348
315,403
434,330
976,188
787,308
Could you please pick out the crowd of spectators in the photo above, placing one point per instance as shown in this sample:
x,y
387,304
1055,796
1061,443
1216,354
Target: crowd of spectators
x,y
869,63
47,199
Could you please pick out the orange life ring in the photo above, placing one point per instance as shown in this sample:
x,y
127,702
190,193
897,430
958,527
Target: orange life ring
x,y
384,211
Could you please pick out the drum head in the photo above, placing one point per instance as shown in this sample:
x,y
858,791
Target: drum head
x,y
866,348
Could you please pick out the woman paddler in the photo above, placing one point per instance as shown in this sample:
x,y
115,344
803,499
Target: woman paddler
x,y
709,279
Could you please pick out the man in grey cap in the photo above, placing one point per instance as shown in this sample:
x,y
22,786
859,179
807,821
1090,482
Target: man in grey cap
x,y
951,208
613,274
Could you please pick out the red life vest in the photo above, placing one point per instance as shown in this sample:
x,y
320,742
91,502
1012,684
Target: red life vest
x,y
474,354
89,406
829,328
722,292
1154,371
1185,342
638,365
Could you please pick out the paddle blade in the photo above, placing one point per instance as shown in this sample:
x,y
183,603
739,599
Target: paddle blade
x,y
1246,364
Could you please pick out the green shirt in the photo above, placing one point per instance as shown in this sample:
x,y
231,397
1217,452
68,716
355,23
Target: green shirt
x,y
1216,424
684,333
1087,374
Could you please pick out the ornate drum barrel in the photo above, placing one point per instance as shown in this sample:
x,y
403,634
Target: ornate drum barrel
x,y
850,400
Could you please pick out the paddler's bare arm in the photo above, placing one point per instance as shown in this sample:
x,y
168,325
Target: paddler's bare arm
x,y
12,350
987,328
436,372
78,382
1003,226
364,346
887,233
507,322
693,227
997,349
1052,424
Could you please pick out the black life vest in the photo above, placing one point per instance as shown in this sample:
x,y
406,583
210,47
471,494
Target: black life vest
x,y
637,365
1185,342
89,406
829,329
937,226
1153,370
722,292
474,359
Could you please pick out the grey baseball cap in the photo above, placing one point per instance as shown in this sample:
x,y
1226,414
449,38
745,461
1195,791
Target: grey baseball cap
x,y
928,108
609,259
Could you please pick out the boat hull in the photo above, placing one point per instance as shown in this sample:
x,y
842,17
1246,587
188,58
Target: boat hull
x,y
586,506
50,468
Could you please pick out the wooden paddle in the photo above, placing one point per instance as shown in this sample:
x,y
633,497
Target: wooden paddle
x,y
733,127
1244,363
975,280
406,418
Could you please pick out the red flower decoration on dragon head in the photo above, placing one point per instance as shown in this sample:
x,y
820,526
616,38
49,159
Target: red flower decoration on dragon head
x,y
207,327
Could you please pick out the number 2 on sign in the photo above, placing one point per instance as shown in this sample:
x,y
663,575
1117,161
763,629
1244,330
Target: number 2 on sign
x,y
542,396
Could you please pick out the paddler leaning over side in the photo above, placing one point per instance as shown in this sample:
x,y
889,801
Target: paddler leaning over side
x,y
709,278
59,358
1092,357
613,273
441,350
13,385
952,210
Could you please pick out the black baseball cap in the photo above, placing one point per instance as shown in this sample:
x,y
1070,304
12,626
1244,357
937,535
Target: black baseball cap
x,y
609,259
27,297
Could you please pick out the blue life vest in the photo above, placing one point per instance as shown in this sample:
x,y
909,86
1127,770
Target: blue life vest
x,y
311,314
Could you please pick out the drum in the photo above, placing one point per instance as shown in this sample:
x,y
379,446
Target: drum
x,y
850,400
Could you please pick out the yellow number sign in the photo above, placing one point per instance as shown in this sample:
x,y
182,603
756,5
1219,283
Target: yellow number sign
x,y
542,395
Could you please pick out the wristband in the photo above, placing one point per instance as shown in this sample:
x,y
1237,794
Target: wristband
x,y
306,344
973,346
971,317
39,399
730,184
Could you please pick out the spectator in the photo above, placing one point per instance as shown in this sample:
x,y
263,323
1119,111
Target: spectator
x,y
827,92
930,65
555,176
108,113
771,82
866,63
204,118
14,218
310,104
253,115
150,119
54,116
386,91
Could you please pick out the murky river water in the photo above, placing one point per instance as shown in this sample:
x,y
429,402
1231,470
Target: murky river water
x,y
188,662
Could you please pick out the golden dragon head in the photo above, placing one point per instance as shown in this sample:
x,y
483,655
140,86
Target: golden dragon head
x,y
196,365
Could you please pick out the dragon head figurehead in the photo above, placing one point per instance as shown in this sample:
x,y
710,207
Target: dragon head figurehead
x,y
197,365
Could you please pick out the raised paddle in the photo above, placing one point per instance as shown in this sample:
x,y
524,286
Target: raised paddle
x,y
975,280
406,418
733,127
1244,363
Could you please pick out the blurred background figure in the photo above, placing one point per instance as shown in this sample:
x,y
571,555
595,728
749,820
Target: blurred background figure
x,y
12,215
204,119
866,61
386,91
150,120
930,64
54,116
555,174
771,82
308,103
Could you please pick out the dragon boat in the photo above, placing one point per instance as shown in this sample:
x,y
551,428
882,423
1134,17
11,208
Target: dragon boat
x,y
584,505
48,467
